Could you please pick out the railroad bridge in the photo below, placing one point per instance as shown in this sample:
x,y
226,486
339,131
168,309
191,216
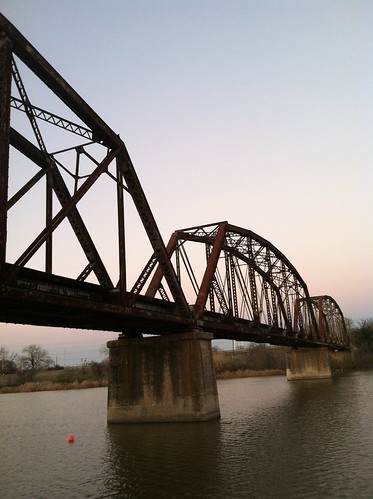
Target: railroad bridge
x,y
210,281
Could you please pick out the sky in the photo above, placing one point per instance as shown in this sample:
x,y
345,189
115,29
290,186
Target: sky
x,y
258,112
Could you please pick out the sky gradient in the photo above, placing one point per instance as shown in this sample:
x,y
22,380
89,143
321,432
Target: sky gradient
x,y
257,112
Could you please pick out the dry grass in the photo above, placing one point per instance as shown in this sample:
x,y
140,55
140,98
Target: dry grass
x,y
259,361
249,373
39,386
43,386
256,361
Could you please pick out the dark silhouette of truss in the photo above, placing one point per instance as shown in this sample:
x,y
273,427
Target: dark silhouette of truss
x,y
247,280
233,283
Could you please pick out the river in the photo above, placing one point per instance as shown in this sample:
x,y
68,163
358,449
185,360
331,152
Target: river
x,y
276,439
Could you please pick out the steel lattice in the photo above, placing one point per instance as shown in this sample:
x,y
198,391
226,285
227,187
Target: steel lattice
x,y
218,277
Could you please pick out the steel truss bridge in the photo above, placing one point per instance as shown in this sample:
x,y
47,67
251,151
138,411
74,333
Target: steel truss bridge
x,y
239,286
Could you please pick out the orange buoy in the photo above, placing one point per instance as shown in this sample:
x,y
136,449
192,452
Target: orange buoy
x,y
70,438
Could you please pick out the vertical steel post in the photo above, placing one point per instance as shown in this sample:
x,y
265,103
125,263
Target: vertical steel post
x,y
158,275
5,88
252,282
150,226
321,335
297,311
228,280
121,235
210,270
48,219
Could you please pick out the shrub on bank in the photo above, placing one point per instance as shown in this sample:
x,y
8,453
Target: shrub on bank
x,y
62,379
363,360
259,360
245,373
45,386
256,359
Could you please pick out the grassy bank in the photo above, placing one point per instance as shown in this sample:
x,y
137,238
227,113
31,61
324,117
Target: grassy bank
x,y
43,386
38,386
65,379
249,373
256,361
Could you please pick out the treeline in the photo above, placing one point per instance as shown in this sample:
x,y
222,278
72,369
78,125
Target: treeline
x,y
34,368
92,375
260,359
33,358
256,360
361,336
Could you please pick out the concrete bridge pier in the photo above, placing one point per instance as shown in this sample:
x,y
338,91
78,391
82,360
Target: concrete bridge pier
x,y
308,363
162,379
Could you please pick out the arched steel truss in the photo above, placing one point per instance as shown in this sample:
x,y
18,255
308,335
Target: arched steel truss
x,y
246,278
239,287
331,323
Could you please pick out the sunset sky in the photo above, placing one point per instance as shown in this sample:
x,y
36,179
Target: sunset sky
x,y
259,112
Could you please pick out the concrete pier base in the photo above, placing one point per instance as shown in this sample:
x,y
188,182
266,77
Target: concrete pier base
x,y
162,379
308,363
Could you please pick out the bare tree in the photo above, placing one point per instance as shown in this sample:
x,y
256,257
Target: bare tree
x,y
349,324
104,351
35,358
362,336
7,361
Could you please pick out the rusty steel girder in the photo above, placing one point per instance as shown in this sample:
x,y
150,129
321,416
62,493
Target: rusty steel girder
x,y
241,287
14,47
247,279
331,323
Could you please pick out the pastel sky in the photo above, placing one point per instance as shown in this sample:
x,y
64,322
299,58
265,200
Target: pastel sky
x,y
259,112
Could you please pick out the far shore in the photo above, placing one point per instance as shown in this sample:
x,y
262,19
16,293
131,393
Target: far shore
x,y
39,386
43,386
258,361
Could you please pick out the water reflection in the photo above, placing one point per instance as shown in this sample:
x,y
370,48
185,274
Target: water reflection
x,y
164,459
329,418
235,457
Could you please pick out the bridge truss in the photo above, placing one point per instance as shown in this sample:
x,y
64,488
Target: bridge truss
x,y
238,285
247,280
88,150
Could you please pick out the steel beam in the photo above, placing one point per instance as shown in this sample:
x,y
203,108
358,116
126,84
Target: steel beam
x,y
146,216
122,284
59,217
210,270
41,68
63,195
5,88
157,278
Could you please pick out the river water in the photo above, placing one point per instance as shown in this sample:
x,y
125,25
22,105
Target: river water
x,y
276,439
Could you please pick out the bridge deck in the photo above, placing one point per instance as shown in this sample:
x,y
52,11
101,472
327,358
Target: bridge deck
x,y
41,299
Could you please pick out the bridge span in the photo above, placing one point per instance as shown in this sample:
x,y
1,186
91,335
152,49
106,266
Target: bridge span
x,y
211,281
248,291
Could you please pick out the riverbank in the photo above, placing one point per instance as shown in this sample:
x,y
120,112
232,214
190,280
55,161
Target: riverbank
x,y
88,376
43,386
254,362
46,387
249,373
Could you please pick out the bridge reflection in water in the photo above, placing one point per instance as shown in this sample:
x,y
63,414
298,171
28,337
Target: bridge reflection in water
x,y
216,279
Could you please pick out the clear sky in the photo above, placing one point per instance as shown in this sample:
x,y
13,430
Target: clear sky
x,y
259,112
